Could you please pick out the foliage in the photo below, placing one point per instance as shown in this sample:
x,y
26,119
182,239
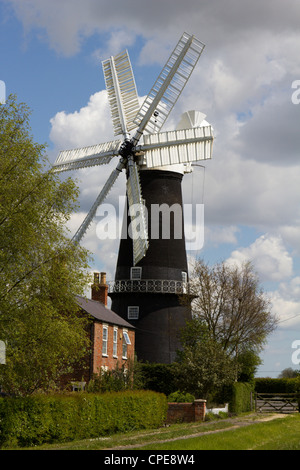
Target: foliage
x,y
215,416
269,385
124,377
40,268
202,364
288,373
248,362
29,421
158,377
231,303
181,397
239,397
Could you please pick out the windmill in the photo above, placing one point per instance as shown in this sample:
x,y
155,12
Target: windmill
x,y
150,272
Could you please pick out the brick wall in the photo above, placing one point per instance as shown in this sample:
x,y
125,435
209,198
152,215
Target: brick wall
x,y
186,412
107,359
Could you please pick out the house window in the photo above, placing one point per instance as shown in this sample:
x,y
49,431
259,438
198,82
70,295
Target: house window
x,y
133,312
136,273
115,342
104,340
126,342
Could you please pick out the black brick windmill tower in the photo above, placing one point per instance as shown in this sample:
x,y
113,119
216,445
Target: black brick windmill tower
x,y
152,267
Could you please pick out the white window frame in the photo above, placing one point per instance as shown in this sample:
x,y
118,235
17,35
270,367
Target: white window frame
x,y
126,341
133,312
135,273
115,342
126,337
104,340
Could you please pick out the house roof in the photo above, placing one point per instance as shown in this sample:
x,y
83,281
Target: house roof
x,y
100,312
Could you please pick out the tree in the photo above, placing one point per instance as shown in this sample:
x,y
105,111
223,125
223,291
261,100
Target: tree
x,y
288,373
231,303
248,362
202,366
40,268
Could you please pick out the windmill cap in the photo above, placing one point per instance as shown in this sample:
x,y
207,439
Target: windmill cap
x,y
192,119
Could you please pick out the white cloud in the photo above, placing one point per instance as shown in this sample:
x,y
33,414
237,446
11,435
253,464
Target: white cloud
x,y
218,235
269,256
88,126
117,42
286,308
67,23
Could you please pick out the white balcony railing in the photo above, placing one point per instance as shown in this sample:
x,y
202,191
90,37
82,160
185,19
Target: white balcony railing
x,y
156,286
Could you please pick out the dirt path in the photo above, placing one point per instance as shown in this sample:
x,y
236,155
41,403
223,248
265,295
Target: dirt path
x,y
239,424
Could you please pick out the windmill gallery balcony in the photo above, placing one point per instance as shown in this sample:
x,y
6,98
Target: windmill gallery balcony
x,y
154,286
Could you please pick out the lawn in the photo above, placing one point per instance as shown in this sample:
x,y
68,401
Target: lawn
x,y
278,434
240,433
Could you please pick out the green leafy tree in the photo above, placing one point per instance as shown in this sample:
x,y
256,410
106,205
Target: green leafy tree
x,y
202,366
40,268
248,362
289,373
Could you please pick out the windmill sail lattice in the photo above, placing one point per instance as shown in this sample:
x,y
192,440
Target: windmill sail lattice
x,y
169,85
122,94
147,148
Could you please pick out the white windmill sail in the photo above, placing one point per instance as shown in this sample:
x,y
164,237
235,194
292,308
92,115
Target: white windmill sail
x,y
169,85
137,213
122,94
175,147
99,154
102,195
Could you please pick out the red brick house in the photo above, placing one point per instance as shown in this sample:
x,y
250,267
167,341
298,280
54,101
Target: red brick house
x,y
112,338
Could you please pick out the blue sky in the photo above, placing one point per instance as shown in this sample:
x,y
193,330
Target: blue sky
x,y
50,57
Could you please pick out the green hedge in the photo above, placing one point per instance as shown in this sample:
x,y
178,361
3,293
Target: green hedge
x,y
268,385
240,400
238,396
42,419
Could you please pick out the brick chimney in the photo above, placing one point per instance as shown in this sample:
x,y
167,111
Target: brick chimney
x,y
100,288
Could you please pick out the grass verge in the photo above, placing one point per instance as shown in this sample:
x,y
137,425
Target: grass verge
x,y
243,432
278,434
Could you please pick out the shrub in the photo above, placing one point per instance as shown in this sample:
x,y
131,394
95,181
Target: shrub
x,y
268,385
215,416
181,397
237,395
56,418
158,377
240,399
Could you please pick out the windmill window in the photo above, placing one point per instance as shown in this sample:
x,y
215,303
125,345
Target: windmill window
x,y
135,273
133,312
184,281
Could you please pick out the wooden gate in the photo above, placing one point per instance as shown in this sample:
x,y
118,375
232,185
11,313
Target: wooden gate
x,y
277,402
